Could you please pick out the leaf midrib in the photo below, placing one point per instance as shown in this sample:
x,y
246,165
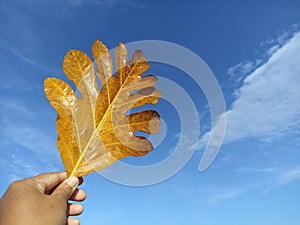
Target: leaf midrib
x,y
101,121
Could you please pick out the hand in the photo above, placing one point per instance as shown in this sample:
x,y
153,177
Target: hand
x,y
42,200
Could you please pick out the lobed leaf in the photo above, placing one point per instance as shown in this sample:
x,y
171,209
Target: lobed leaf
x,y
93,129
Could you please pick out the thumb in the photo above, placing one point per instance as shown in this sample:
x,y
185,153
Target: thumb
x,y
66,188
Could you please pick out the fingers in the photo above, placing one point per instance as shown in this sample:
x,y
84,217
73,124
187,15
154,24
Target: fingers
x,y
45,182
75,209
66,188
78,195
73,221
80,180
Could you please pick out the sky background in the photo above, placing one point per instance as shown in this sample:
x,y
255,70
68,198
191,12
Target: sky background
x,y
252,47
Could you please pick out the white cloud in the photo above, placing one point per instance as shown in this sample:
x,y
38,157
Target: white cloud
x,y
267,104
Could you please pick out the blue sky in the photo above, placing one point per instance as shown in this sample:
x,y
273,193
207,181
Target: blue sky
x,y
253,48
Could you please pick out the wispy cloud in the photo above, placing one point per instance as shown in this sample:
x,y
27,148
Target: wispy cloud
x,y
26,149
275,178
17,168
13,81
227,194
31,137
15,108
239,71
25,43
256,170
281,178
286,177
27,59
105,3
282,38
214,195
272,50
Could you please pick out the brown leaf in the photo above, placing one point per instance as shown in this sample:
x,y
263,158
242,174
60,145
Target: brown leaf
x,y
93,128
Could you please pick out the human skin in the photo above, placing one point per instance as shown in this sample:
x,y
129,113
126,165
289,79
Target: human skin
x,y
42,200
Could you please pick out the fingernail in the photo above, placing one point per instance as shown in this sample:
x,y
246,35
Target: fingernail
x,y
72,181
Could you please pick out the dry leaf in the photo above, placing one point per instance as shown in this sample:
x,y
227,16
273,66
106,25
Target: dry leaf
x,y
93,128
